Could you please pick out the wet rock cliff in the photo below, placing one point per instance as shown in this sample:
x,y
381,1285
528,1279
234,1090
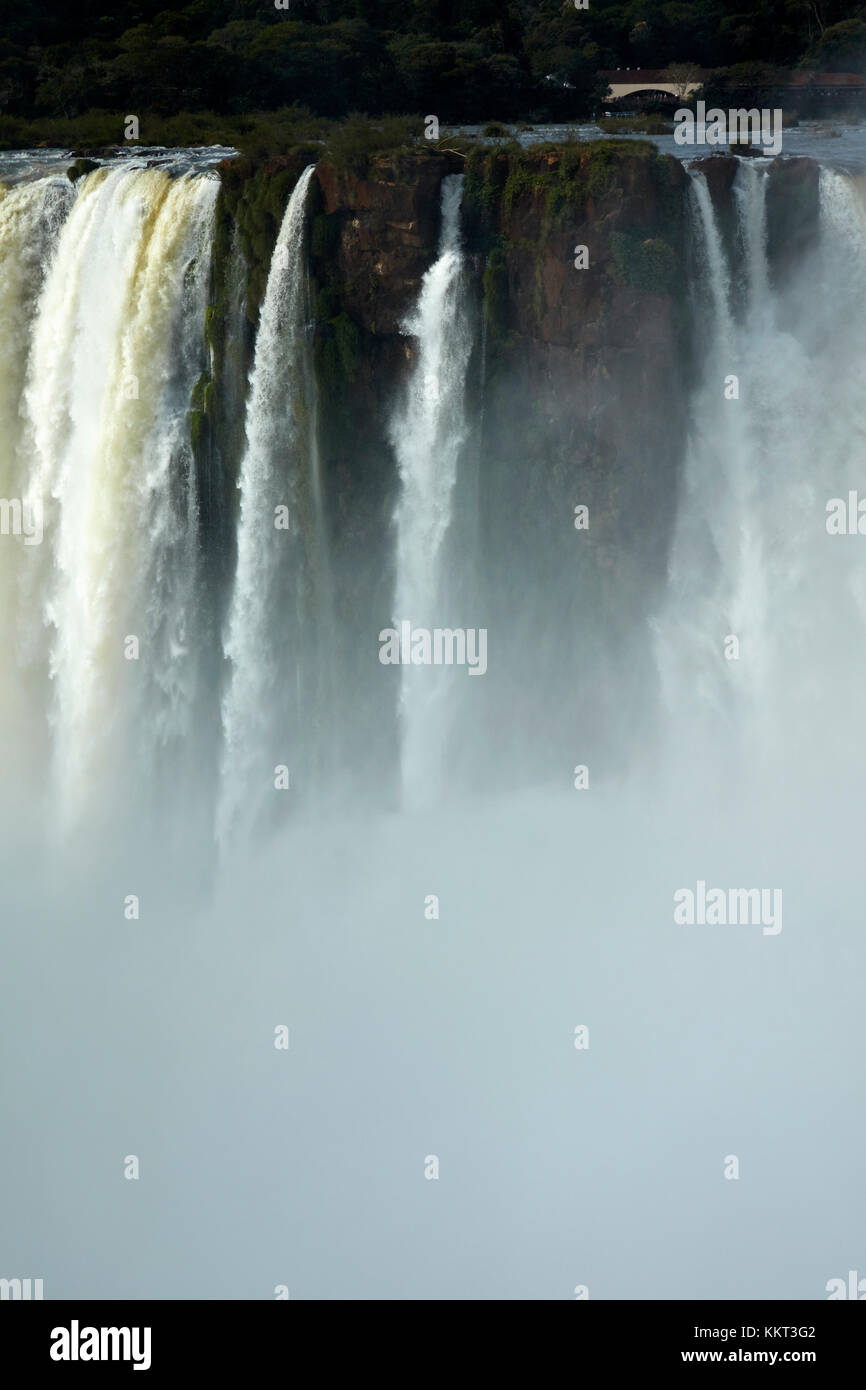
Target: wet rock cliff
x,y
578,266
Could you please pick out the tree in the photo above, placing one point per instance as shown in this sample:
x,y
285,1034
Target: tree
x,y
841,48
682,77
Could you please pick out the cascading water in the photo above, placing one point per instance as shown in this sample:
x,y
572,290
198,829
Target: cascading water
x,y
428,431
117,349
102,299
168,1035
266,717
30,219
710,544
751,558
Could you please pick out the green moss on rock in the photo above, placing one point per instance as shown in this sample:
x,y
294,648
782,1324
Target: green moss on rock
x,y
254,198
496,295
646,263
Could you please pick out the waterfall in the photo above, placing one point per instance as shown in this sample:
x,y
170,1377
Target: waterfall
x,y
324,1000
750,196
715,570
428,430
31,216
751,557
117,694
264,707
116,351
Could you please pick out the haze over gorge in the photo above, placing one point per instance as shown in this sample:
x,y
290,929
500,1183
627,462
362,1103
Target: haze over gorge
x,y
605,407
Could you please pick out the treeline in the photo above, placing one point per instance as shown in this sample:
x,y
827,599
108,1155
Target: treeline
x,y
463,60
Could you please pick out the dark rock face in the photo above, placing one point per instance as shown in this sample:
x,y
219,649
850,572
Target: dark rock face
x,y
373,234
720,170
372,237
585,405
792,213
590,338
576,397
387,229
80,167
578,393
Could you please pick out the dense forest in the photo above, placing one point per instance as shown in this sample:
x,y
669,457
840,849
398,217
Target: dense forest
x,y
463,60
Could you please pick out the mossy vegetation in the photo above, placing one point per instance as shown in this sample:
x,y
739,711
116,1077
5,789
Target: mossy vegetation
x,y
201,409
353,143
516,199
260,137
256,187
646,263
519,205
635,125
503,187
337,355
258,134
495,283
324,236
347,341
565,175
253,199
339,343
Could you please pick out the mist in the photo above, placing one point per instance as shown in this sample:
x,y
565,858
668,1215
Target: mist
x,y
458,899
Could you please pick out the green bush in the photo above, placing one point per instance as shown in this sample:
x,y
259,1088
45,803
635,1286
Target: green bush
x,y
635,125
352,143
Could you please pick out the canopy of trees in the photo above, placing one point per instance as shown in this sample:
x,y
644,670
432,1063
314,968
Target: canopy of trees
x,y
462,60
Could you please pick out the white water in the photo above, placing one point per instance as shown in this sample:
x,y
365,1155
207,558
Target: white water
x,y
115,354
428,431
30,218
453,1037
108,281
263,706
751,555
